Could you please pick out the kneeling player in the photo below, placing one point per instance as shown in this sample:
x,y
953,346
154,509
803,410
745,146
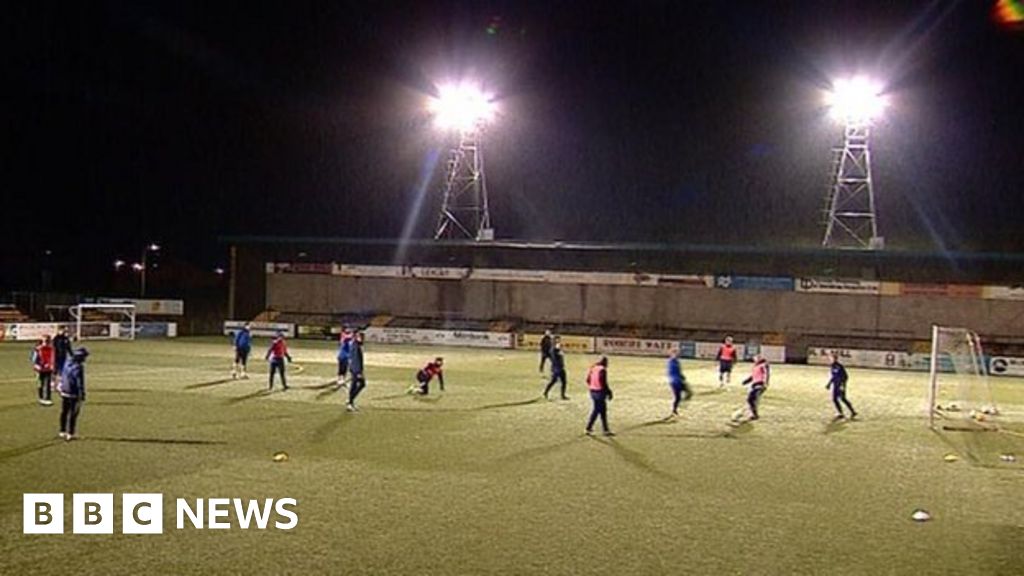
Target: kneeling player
x,y
426,374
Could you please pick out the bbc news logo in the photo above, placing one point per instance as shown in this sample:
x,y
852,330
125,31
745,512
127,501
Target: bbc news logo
x,y
144,513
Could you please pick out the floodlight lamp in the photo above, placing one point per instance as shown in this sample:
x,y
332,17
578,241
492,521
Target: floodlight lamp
x,y
118,264
153,247
463,107
856,100
138,267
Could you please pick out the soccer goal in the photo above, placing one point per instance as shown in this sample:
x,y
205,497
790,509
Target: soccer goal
x,y
103,321
959,390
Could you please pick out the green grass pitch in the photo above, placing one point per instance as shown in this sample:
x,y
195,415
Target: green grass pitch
x,y
486,478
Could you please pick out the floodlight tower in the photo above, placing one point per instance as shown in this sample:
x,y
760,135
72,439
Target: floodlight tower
x,y
850,212
465,109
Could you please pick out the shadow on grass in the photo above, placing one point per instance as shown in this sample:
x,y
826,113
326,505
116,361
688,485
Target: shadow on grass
x,y
739,429
176,441
325,392
658,422
538,452
635,459
507,404
28,449
334,423
325,385
210,384
835,425
250,396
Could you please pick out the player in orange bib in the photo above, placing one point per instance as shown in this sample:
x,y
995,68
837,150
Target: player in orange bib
x,y
726,358
600,394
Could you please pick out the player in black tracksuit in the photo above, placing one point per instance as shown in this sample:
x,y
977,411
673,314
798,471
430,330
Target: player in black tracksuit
x,y
837,381
356,367
545,348
61,352
557,370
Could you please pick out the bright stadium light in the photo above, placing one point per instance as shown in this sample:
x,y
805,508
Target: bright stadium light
x,y
462,107
466,108
850,220
856,100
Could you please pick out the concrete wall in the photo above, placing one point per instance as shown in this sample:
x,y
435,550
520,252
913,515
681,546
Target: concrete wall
x,y
790,313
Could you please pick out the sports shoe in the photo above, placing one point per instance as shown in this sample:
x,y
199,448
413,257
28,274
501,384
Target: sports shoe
x,y
350,407
609,433
62,435
838,417
69,437
589,432
46,402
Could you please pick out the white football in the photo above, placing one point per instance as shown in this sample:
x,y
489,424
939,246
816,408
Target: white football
x,y
738,414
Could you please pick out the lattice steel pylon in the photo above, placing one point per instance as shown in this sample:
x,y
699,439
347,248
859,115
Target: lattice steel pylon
x,y
851,221
464,209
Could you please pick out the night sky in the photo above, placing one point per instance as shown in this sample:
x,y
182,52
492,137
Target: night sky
x,y
694,122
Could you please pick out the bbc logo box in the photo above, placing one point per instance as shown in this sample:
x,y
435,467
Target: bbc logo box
x,y
93,514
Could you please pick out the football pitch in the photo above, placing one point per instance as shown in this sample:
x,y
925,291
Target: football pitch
x,y
489,478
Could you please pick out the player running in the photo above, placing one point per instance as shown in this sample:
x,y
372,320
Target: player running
x,y
837,381
677,382
356,366
243,345
557,370
43,357
277,354
726,357
344,353
426,374
600,395
758,380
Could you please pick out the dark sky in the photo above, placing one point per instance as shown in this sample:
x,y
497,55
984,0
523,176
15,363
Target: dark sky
x,y
642,121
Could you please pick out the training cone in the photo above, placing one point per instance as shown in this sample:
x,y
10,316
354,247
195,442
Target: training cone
x,y
280,457
920,516
950,457
1007,457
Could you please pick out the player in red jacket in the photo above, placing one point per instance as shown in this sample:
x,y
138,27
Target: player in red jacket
x,y
426,374
277,354
43,358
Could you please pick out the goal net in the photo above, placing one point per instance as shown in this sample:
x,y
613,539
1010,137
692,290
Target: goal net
x,y
103,321
959,390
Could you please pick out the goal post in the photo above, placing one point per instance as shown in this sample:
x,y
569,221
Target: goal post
x,y
103,321
958,378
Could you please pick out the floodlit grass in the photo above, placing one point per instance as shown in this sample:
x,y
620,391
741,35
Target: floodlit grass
x,y
486,478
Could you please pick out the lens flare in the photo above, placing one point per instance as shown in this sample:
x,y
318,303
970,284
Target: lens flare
x,y
1009,14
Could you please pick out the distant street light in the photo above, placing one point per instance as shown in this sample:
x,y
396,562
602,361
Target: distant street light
x,y
142,267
